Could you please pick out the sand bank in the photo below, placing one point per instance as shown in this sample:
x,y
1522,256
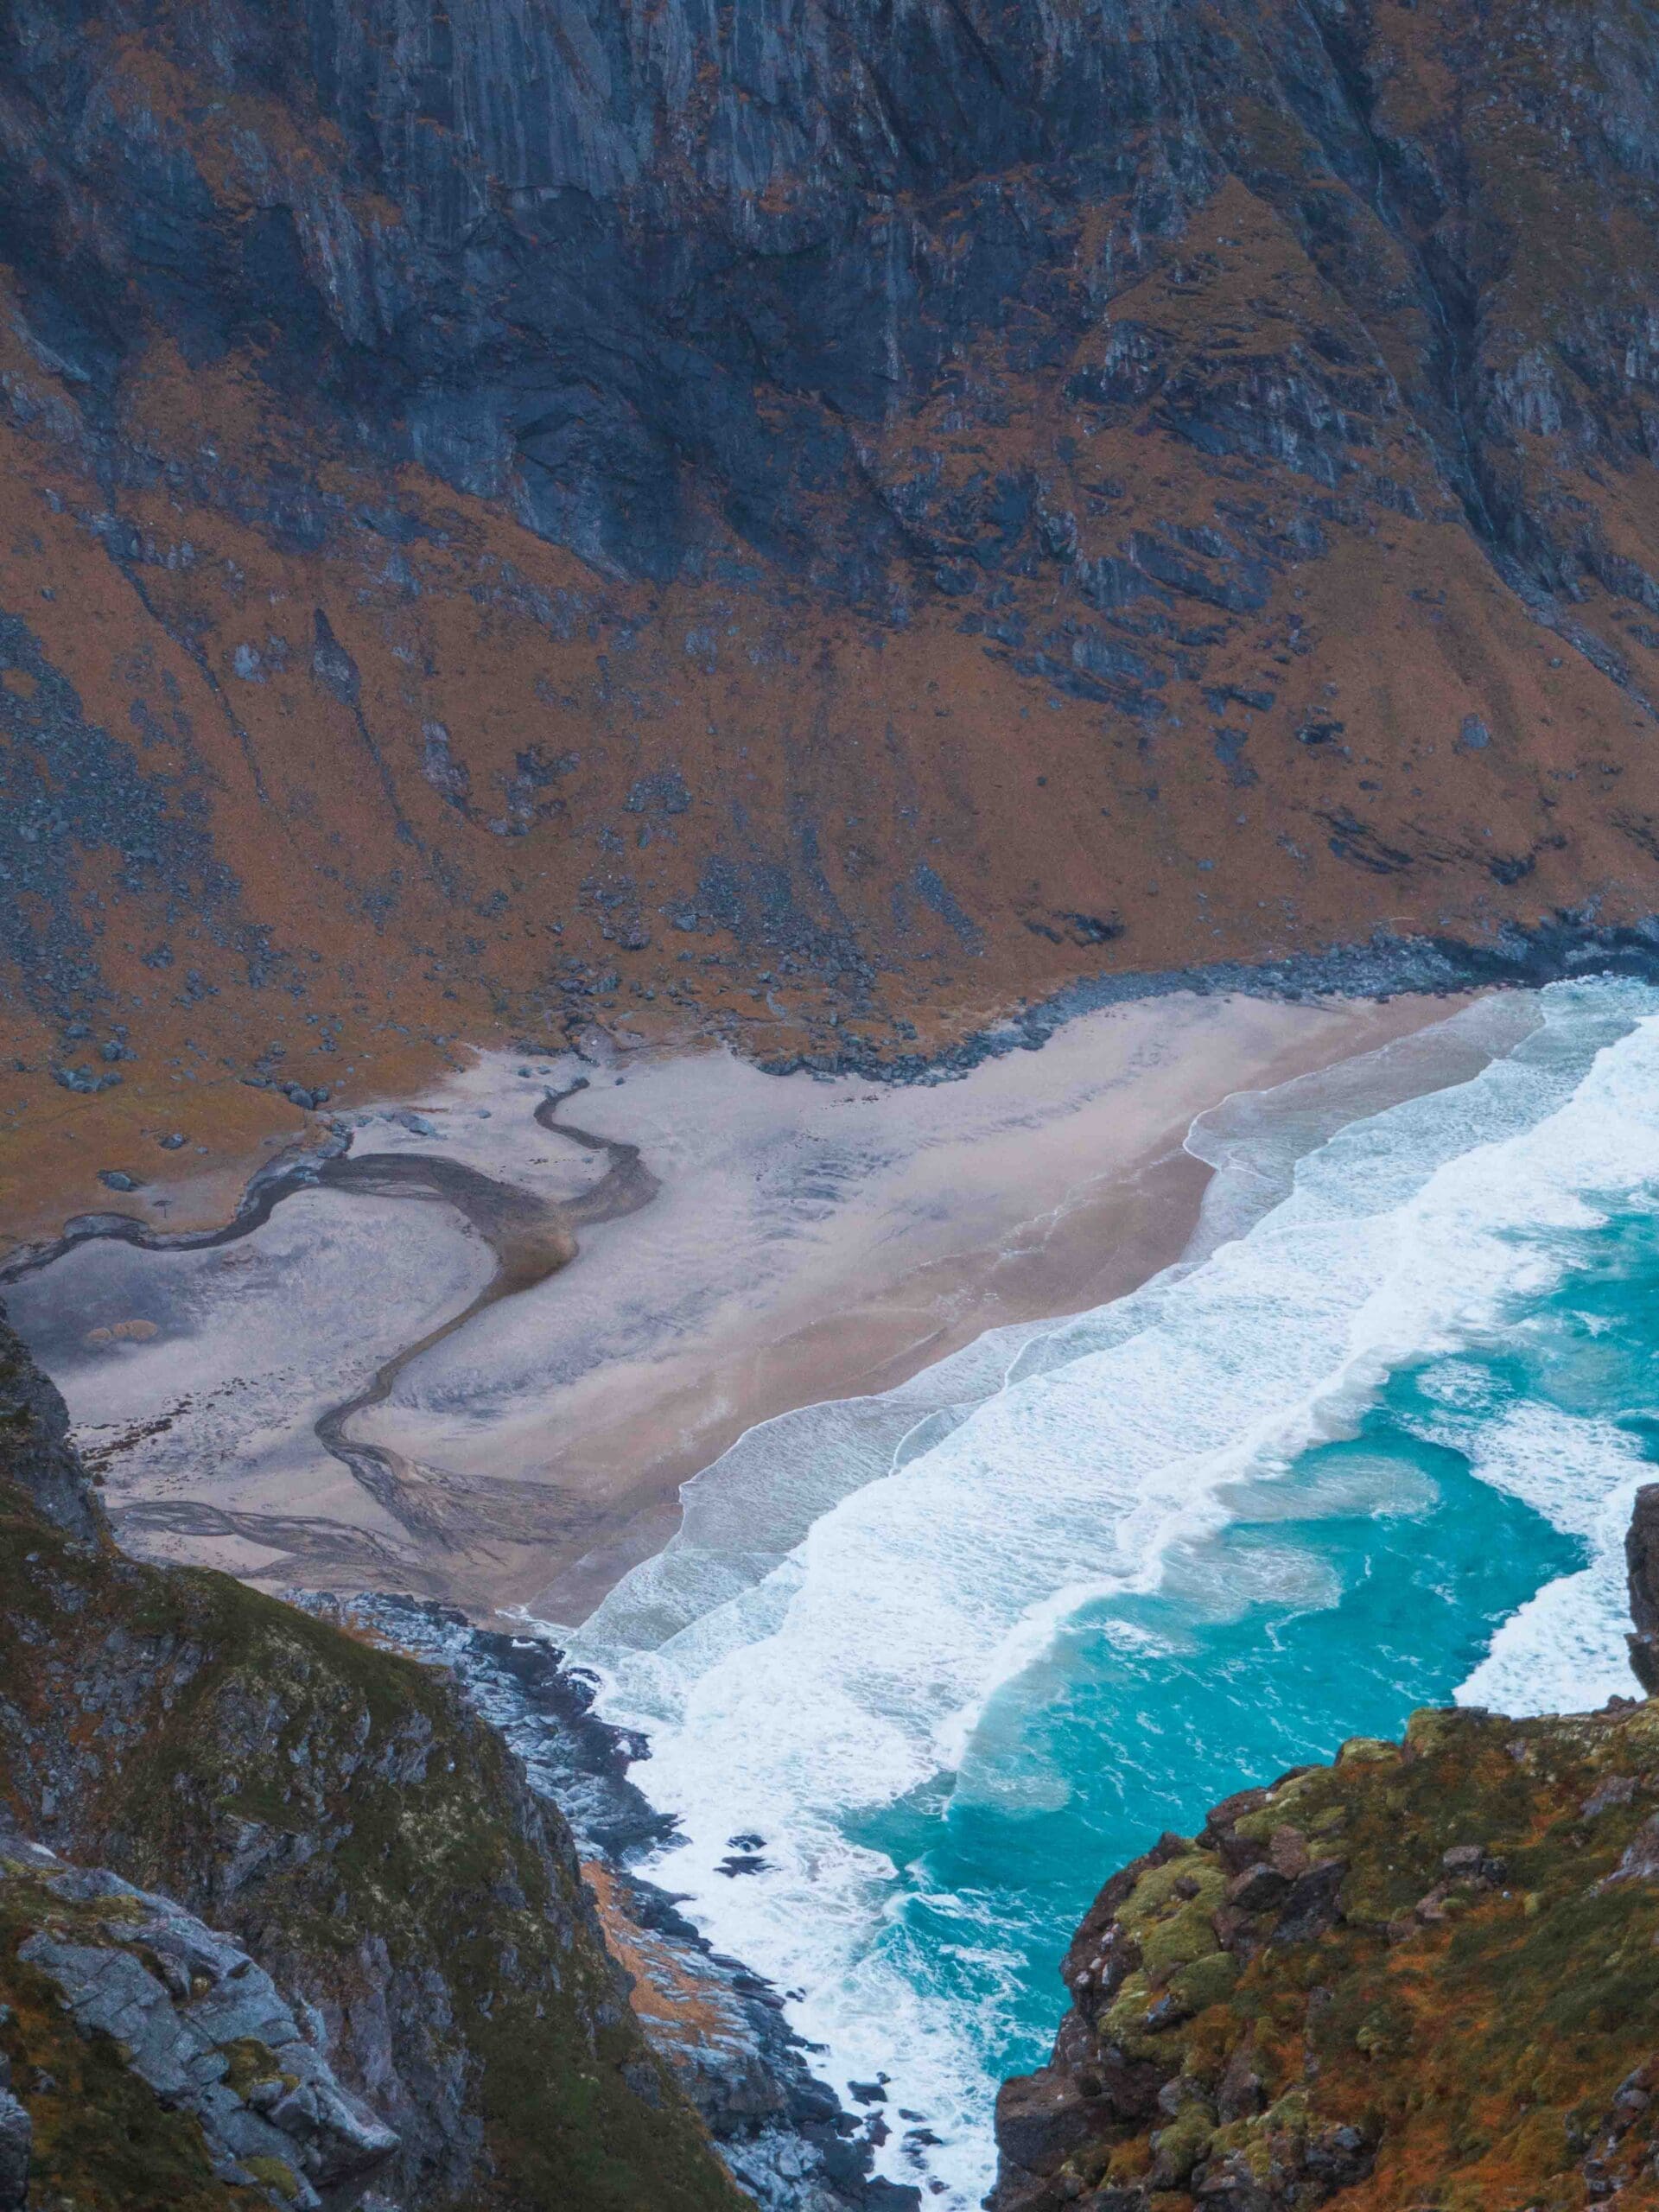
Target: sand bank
x,y
807,1239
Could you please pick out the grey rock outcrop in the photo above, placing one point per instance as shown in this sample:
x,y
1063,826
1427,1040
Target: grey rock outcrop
x,y
35,1453
647,271
202,2026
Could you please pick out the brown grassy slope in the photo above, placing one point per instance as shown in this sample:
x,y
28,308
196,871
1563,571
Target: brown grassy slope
x,y
1273,563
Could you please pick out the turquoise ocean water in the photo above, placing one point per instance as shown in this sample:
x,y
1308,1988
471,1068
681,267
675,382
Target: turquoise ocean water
x,y
1371,1447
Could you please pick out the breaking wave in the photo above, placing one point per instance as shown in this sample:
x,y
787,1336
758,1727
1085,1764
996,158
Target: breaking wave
x,y
919,1669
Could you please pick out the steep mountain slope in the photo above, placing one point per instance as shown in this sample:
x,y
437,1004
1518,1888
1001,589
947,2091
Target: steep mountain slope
x,y
343,1818
1427,1974
522,509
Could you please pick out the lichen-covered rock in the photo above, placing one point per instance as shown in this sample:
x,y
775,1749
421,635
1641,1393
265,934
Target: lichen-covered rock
x,y
1455,2001
191,2016
1427,1974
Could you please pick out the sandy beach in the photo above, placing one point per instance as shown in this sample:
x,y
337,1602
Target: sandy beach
x,y
807,1239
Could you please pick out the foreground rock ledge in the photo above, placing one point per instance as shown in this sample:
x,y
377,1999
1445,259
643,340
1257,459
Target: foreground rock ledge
x,y
336,1816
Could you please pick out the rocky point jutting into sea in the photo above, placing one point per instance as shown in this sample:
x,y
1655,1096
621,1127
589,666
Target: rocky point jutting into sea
x,y
404,1981
1353,1983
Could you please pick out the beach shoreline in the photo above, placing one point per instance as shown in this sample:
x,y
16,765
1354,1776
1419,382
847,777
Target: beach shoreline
x,y
59,1149
815,1238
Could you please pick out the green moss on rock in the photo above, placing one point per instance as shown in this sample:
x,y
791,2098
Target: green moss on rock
x,y
1452,1999
339,1810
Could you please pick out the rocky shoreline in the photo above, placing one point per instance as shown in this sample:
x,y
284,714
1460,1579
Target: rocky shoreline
x,y
1385,967
785,2137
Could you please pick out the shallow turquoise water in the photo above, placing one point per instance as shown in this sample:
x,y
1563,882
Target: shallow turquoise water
x,y
1372,1446
1367,1580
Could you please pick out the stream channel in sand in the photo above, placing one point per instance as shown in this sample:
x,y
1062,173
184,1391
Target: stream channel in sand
x,y
472,1349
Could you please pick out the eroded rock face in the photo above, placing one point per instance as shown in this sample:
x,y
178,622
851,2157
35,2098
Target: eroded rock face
x,y
35,1453
193,2018
661,274
719,2029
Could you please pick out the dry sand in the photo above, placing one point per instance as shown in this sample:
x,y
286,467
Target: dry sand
x,y
811,1239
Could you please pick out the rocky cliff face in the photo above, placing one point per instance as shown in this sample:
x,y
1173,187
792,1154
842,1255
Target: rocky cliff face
x,y
1426,1974
36,1457
525,509
717,2026
354,1830
161,2065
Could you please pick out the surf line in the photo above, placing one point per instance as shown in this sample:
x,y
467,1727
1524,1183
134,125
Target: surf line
x,y
531,1238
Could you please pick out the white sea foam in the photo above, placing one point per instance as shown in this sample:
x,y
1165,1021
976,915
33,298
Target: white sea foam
x,y
748,1509
1565,1651
793,1680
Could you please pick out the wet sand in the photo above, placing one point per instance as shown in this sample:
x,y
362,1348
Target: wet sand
x,y
368,1392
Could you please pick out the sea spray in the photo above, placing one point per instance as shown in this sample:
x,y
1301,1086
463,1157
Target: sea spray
x,y
1058,1544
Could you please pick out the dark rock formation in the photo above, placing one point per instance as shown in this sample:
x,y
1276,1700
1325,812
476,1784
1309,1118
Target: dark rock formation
x,y
719,2028
1641,1557
354,1828
35,1453
659,277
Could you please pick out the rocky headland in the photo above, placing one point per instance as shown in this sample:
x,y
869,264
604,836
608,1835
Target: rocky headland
x,y
719,2028
292,1912
284,1919
1426,1974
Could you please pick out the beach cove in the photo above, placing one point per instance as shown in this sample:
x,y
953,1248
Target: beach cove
x,y
930,1552
805,1239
